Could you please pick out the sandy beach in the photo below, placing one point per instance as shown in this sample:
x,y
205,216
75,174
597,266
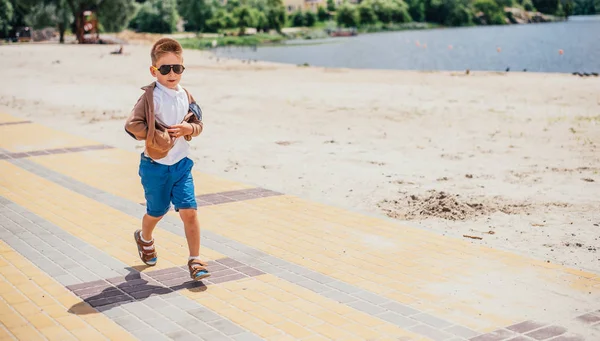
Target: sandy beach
x,y
509,160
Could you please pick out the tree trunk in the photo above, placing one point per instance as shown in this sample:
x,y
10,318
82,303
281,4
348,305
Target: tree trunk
x,y
61,32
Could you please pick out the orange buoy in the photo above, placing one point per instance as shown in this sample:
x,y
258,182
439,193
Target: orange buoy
x,y
560,52
498,49
449,47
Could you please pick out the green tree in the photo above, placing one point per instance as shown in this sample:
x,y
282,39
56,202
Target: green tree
x,y
389,11
50,13
196,13
232,5
244,17
261,21
297,18
156,16
528,5
322,13
366,13
449,12
568,8
416,9
347,15
276,15
492,13
310,18
586,7
546,6
330,6
6,17
114,15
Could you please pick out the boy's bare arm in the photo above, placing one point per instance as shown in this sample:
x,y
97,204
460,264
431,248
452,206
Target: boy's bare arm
x,y
136,124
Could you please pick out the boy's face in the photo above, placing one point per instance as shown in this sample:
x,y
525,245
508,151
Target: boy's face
x,y
171,79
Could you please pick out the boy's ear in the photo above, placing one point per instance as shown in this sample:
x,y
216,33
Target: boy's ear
x,y
152,71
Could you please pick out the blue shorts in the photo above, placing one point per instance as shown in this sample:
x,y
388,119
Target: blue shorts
x,y
165,184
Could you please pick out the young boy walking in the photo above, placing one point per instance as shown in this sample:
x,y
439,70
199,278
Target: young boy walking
x,y
167,117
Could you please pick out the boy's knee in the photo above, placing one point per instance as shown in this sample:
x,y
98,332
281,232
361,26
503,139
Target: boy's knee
x,y
188,215
154,215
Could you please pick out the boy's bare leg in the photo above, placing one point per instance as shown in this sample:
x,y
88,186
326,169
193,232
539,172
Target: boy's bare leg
x,y
191,224
148,225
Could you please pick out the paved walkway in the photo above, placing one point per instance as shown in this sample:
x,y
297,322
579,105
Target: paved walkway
x,y
283,268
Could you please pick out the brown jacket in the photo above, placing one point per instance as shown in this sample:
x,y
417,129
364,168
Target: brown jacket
x,y
141,124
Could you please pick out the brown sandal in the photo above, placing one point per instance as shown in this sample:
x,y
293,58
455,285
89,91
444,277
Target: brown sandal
x,y
146,251
198,269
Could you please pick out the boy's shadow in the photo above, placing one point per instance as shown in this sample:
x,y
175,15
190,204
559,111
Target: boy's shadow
x,y
100,296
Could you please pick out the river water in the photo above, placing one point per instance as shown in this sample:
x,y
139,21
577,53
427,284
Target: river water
x,y
534,47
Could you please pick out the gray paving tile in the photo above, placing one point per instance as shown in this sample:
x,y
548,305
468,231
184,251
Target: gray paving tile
x,y
183,335
345,287
432,320
54,270
226,327
339,296
371,298
130,322
291,277
67,279
320,278
397,319
462,331
198,327
113,310
183,303
83,274
155,302
246,337
140,311
66,263
173,313
163,325
149,334
313,285
215,336
204,314
367,307
431,332
400,308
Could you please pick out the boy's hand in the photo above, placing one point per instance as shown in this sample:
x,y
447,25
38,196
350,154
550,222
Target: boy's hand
x,y
180,130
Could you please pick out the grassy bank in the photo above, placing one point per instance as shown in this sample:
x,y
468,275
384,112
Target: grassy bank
x,y
317,32
203,43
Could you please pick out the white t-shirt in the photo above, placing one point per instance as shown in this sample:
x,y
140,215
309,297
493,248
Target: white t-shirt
x,y
170,107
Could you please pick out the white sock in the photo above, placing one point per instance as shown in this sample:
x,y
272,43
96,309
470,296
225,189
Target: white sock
x,y
144,240
194,257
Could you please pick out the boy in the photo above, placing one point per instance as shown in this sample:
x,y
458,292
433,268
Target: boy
x,y
167,117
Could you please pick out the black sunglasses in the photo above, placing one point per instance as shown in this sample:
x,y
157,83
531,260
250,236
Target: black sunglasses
x,y
165,69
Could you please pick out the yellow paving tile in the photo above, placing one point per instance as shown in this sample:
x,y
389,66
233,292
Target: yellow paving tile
x,y
28,321
271,317
26,333
116,171
38,137
9,118
95,223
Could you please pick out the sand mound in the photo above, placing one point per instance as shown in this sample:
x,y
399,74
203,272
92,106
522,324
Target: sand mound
x,y
447,206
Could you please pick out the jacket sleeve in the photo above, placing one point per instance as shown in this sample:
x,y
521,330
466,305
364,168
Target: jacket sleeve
x,y
194,121
136,125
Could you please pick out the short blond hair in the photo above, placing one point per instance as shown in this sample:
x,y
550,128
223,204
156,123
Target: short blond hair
x,y
164,46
